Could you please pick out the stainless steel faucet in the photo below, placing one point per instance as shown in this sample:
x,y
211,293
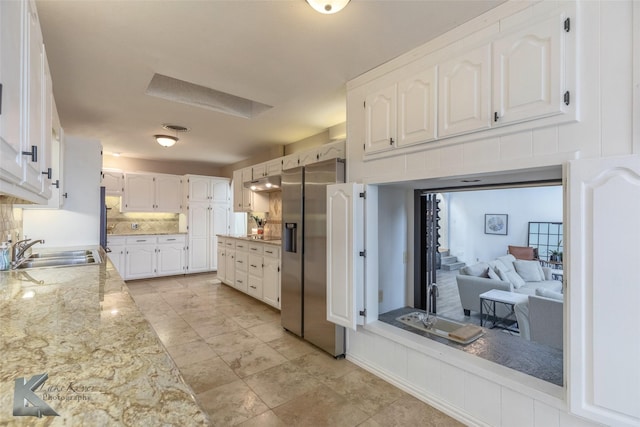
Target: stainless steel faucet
x,y
19,248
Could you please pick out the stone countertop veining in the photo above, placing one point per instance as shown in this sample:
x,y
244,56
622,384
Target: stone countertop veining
x,y
269,240
105,364
146,233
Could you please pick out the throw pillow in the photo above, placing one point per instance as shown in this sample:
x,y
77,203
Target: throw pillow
x,y
492,274
507,260
530,271
515,280
542,292
478,270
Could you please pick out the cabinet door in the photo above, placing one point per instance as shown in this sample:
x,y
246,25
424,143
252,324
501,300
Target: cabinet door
x,y
602,254
199,189
308,157
11,75
170,259
230,267
274,167
168,191
241,283
140,261
222,263
220,190
113,182
46,165
199,238
238,191
117,258
345,287
528,70
464,97
139,194
380,120
291,161
35,66
417,108
242,260
219,224
271,281
259,171
334,150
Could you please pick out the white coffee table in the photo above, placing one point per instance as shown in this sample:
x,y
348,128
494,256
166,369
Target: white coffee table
x,y
488,301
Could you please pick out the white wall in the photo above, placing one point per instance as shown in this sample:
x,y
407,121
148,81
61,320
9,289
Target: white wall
x,y
78,222
466,219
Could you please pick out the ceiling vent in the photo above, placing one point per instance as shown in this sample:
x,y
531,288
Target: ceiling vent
x,y
200,96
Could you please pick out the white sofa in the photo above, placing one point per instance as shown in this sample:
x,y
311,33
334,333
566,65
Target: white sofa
x,y
505,273
540,318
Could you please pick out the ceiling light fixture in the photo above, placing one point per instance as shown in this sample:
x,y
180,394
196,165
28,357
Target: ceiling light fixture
x,y
168,140
328,6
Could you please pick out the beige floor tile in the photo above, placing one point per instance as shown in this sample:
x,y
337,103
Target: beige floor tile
x,y
266,419
215,326
365,390
231,404
409,411
371,423
233,342
174,335
191,352
281,383
207,374
257,359
291,347
323,366
141,289
247,319
320,407
268,331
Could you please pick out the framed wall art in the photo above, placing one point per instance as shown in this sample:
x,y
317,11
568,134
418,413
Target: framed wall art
x,y
496,224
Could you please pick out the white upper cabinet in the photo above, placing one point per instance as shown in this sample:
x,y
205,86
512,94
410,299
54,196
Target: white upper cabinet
x,y
464,87
417,106
152,193
113,182
380,120
273,167
201,188
528,71
12,78
291,161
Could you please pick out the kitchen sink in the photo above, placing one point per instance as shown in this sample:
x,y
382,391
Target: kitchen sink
x,y
60,259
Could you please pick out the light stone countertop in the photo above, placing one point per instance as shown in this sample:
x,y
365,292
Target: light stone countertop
x,y
105,364
269,240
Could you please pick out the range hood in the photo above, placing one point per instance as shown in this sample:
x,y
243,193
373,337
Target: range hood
x,y
267,183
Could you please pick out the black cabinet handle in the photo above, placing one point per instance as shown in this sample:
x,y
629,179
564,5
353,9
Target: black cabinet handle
x,y
33,153
56,184
390,141
495,116
48,173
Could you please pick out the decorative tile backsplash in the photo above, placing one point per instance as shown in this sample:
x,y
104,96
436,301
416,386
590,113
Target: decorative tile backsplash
x,y
146,222
273,227
10,219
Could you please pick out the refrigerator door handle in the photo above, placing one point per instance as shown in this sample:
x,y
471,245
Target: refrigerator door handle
x,y
290,236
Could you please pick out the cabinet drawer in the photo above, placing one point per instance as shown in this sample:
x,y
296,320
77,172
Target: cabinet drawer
x,y
255,248
230,243
242,261
255,287
115,240
171,239
255,265
141,240
271,251
241,245
240,282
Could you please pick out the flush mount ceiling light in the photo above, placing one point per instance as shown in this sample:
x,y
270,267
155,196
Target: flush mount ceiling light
x,y
328,6
168,140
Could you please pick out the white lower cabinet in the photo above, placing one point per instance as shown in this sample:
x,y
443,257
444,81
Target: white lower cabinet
x,y
144,256
252,267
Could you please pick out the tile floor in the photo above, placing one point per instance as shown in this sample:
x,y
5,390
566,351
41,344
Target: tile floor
x,y
246,370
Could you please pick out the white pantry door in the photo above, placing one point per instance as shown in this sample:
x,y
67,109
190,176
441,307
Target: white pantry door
x,y
603,288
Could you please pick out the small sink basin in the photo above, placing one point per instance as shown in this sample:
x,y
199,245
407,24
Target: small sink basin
x,y
61,259
62,254
440,327
57,262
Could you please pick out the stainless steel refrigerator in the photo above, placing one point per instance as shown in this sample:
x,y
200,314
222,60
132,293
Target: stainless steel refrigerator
x,y
304,264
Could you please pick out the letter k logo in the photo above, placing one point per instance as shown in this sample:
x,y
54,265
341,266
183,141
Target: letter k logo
x,y
24,394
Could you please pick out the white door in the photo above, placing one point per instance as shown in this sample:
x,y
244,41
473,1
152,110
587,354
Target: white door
x,y
199,240
11,76
199,188
116,256
345,266
417,107
271,281
140,261
220,190
113,182
291,161
380,120
274,167
603,278
464,100
168,193
230,267
335,150
238,191
170,259
139,194
222,263
528,71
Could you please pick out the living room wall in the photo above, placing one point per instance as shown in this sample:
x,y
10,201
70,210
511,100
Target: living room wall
x,y
467,239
